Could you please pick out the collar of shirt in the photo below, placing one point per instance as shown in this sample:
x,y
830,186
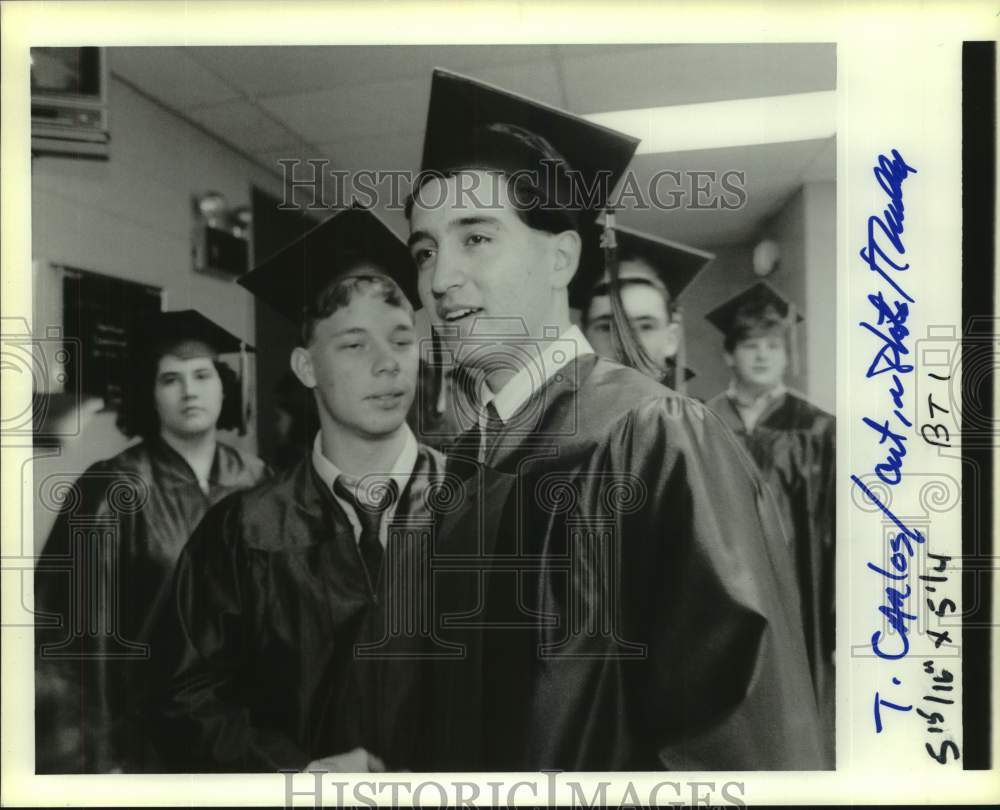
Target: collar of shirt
x,y
751,410
400,473
519,389
743,402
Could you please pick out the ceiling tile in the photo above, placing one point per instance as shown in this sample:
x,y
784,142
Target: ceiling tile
x,y
772,173
245,125
685,74
169,75
392,151
824,163
268,71
355,110
536,80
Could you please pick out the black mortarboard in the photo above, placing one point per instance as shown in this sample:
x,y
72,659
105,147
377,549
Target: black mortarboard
x,y
676,265
759,300
170,328
475,125
292,278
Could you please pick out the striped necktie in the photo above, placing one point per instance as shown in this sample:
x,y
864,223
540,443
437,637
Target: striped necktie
x,y
370,517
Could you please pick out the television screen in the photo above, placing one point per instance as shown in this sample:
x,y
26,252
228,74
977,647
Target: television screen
x,y
66,72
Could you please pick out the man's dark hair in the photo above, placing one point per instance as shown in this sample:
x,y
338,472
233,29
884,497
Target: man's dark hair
x,y
542,185
753,321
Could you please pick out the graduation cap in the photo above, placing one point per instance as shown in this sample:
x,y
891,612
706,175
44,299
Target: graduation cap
x,y
674,265
190,326
351,242
749,309
473,125
171,331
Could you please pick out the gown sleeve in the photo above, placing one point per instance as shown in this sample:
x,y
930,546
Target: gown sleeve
x,y
729,681
707,591
202,718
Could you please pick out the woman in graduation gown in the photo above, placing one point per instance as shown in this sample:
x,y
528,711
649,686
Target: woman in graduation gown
x,y
793,443
104,575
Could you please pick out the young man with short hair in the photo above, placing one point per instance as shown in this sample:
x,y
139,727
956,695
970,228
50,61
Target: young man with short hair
x,y
793,443
280,585
652,273
613,574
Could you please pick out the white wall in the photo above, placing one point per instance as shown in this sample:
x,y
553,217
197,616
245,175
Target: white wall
x,y
821,291
805,230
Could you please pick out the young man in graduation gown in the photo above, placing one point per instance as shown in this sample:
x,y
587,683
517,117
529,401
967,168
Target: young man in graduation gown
x,y
104,575
652,273
793,443
612,579
280,656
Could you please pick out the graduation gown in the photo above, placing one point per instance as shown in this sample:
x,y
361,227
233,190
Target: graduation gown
x,y
794,445
111,556
262,659
618,593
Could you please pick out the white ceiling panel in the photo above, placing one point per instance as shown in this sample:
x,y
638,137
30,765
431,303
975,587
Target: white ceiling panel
x,y
170,75
363,107
773,173
390,152
537,80
269,158
241,122
688,74
305,68
824,163
356,110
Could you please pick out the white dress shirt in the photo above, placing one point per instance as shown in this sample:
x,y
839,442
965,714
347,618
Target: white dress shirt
x,y
556,354
400,473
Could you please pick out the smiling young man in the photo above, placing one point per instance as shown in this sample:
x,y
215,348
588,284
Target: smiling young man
x,y
623,600
278,587
793,443
652,273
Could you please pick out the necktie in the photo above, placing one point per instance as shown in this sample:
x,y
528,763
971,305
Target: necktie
x,y
370,517
476,440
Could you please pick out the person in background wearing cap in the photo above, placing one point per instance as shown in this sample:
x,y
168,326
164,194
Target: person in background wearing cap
x,y
625,600
151,495
793,443
652,273
280,583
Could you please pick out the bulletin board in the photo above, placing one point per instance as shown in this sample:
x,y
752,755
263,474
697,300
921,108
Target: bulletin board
x,y
101,312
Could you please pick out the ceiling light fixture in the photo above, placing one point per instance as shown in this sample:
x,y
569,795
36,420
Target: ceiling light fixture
x,y
722,124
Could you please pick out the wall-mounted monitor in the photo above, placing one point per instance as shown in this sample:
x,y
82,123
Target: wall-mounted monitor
x,y
69,102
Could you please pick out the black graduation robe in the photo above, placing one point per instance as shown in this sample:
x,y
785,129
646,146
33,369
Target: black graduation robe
x,y
616,594
262,661
794,445
112,553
